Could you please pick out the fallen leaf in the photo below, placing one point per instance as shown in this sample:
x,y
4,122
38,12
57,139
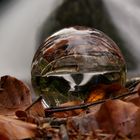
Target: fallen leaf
x,y
117,115
135,100
14,95
36,109
113,118
12,129
136,130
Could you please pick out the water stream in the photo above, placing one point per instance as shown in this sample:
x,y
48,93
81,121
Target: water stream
x,y
19,29
125,15
20,24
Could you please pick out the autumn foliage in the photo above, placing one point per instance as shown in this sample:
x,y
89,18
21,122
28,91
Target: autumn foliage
x,y
113,119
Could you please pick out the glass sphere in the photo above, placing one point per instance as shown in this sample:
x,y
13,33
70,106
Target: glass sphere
x,y
74,60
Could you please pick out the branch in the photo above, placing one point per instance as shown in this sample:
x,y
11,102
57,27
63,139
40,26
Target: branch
x,y
50,111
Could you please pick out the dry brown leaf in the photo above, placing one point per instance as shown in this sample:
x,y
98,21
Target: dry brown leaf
x,y
86,127
117,115
12,129
112,120
14,95
82,124
37,108
135,100
136,130
113,117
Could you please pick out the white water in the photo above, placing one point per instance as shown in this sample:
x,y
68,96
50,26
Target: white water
x,y
20,23
19,26
126,17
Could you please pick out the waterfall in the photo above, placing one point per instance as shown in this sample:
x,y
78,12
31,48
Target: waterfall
x,y
21,21
125,15
19,28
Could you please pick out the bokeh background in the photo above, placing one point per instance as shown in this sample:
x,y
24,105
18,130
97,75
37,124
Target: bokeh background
x,y
24,24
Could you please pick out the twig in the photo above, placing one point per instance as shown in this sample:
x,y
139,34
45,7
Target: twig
x,y
50,111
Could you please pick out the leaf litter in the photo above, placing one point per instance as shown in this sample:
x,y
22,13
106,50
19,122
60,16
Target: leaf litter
x,y
115,118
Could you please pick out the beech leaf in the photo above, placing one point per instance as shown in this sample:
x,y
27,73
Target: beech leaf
x,y
14,95
12,129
